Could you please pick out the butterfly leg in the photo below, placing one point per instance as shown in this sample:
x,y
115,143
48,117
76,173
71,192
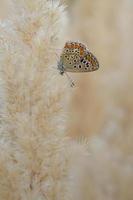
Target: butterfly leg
x,y
72,84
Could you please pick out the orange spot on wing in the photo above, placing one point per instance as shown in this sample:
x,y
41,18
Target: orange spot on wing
x,y
67,45
81,51
76,46
72,46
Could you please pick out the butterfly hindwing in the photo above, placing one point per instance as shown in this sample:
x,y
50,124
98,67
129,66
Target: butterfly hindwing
x,y
92,60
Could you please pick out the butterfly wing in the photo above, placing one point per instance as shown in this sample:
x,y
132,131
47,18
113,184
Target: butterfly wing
x,y
71,56
88,63
92,63
76,58
76,63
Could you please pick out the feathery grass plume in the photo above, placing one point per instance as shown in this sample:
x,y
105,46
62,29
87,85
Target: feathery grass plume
x,y
37,160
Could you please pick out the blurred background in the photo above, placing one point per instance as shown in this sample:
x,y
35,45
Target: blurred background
x,y
102,103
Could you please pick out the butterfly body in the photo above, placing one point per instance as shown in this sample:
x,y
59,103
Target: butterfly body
x,y
76,58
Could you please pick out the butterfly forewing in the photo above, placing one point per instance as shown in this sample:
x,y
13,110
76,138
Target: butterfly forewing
x,y
76,58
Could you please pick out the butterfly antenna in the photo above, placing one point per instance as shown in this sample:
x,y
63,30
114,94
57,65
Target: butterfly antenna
x,y
70,80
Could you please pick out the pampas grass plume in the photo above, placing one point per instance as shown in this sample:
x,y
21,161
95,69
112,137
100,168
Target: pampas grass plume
x,y
37,160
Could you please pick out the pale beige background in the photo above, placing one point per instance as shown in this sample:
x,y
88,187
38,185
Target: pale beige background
x,y
102,104
103,97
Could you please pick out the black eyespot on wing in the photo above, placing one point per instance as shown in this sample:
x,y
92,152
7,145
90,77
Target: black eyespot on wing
x,y
74,66
87,64
82,60
80,66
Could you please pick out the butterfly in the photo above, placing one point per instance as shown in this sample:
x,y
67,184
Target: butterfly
x,y
75,57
